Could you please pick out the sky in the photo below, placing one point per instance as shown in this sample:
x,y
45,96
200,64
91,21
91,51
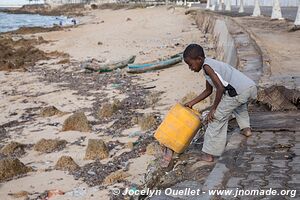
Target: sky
x,y
13,2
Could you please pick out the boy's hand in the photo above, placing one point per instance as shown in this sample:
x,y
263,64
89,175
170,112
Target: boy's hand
x,y
189,105
211,115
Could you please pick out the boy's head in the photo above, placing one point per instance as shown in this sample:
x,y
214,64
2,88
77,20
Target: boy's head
x,y
193,55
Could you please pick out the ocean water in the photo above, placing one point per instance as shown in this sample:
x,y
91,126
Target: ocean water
x,y
11,22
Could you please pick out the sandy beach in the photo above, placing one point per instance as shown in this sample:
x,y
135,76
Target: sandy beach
x,y
68,133
105,35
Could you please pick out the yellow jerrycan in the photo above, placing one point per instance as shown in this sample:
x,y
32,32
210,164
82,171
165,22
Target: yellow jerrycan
x,y
178,128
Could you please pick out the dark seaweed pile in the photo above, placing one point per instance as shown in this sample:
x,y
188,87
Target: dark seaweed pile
x,y
83,83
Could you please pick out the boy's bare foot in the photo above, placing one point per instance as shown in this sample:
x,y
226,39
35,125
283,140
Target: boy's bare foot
x,y
247,132
206,157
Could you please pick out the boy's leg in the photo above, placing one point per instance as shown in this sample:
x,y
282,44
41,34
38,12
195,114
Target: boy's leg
x,y
216,132
242,117
241,112
215,137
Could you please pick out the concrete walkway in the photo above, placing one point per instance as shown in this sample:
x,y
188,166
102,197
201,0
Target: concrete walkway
x,y
267,160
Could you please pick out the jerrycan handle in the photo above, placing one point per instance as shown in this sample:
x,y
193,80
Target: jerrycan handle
x,y
193,110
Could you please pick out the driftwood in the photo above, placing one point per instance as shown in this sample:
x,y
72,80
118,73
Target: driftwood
x,y
110,66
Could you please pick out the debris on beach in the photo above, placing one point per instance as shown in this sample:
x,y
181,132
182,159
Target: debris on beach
x,y
129,145
21,194
91,63
64,61
53,193
155,172
94,173
19,54
113,144
11,167
3,132
153,98
134,120
94,65
39,29
183,167
77,122
13,149
153,149
294,28
279,98
94,6
66,163
57,54
108,109
115,177
96,149
147,121
191,12
50,111
49,145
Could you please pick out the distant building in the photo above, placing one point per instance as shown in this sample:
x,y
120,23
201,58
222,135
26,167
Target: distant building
x,y
233,2
61,2
19,3
263,2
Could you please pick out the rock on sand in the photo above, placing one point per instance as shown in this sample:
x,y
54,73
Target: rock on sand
x,y
66,163
77,122
115,177
153,149
13,149
147,121
96,149
10,167
50,111
108,109
49,145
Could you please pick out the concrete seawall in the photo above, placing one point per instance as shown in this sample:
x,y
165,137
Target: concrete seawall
x,y
233,44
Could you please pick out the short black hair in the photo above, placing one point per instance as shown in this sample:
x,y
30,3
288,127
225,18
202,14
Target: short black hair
x,y
193,51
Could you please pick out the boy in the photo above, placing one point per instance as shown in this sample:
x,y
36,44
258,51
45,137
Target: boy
x,y
233,92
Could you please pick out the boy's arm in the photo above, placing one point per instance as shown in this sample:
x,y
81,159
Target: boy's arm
x,y
219,90
203,95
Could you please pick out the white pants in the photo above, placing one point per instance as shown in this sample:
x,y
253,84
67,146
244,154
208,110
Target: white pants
x,y
216,133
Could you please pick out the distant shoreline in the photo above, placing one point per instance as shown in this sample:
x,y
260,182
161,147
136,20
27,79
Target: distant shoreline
x,y
5,7
9,7
16,6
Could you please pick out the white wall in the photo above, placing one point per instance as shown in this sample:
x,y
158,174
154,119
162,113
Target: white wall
x,y
265,2
18,3
58,2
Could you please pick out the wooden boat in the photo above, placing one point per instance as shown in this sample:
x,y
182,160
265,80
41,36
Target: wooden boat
x,y
111,66
141,68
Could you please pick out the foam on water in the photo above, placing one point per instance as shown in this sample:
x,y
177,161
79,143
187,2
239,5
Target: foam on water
x,y
11,22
